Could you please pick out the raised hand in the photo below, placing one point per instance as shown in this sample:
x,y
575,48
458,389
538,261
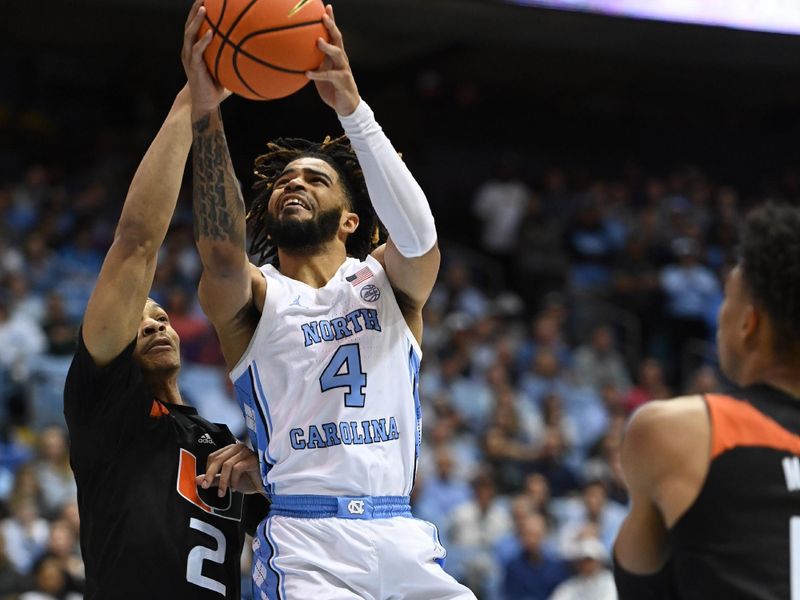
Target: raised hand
x,y
334,78
206,93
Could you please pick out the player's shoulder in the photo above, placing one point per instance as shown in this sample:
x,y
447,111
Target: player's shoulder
x,y
663,434
660,414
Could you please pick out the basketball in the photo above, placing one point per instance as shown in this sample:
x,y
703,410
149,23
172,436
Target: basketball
x,y
261,49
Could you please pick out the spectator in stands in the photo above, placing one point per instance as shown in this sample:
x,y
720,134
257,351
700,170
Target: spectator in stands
x,y
594,511
21,340
546,334
59,329
49,583
11,582
25,533
455,292
533,574
540,262
442,491
592,245
499,205
53,472
599,362
703,381
591,580
650,386
475,527
63,546
40,263
636,285
553,465
692,291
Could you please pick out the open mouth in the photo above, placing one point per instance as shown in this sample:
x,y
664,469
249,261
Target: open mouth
x,y
293,200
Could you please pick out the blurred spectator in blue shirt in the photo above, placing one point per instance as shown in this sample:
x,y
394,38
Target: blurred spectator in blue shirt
x,y
533,575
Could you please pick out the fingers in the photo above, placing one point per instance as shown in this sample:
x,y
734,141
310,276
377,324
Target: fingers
x,y
214,464
226,473
225,467
335,53
333,75
333,29
196,16
200,46
192,13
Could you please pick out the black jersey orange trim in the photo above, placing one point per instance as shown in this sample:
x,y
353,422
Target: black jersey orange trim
x,y
158,410
187,482
736,423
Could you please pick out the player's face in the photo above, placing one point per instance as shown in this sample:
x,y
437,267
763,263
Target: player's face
x,y
308,205
731,324
157,344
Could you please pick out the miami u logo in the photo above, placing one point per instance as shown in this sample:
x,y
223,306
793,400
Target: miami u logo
x,y
230,506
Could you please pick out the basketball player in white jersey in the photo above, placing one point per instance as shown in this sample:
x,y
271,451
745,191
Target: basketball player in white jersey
x,y
323,345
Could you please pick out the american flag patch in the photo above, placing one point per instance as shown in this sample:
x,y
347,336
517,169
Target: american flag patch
x,y
359,276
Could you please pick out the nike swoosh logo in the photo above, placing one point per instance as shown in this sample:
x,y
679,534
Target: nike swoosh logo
x,y
297,7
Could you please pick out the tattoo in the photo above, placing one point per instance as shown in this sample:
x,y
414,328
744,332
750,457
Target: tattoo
x,y
218,206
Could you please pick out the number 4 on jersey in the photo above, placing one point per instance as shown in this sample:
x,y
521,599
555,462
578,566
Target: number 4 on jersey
x,y
344,370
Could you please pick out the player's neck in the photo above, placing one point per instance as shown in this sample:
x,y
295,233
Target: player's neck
x,y
164,389
314,268
780,375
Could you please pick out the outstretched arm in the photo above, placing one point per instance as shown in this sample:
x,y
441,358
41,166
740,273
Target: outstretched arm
x,y
411,256
219,212
115,306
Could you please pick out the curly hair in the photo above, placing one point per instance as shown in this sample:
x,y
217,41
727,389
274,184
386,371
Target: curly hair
x,y
770,260
339,154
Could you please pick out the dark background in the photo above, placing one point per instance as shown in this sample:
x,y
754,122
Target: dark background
x,y
450,78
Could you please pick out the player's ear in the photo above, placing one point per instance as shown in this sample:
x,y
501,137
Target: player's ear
x,y
349,222
750,323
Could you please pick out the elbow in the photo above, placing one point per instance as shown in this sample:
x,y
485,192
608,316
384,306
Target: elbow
x,y
222,260
133,240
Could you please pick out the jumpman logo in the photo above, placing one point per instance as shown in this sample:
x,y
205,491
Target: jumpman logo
x,y
296,302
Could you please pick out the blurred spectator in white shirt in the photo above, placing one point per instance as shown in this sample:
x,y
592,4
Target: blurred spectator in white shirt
x,y
592,579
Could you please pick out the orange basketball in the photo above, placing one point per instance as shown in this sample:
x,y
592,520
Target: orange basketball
x,y
261,49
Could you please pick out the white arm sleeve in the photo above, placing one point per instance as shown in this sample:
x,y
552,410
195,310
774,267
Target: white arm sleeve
x,y
397,197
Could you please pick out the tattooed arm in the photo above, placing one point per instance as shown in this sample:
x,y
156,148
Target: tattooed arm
x,y
229,282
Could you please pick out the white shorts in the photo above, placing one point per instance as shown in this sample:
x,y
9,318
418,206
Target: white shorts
x,y
396,558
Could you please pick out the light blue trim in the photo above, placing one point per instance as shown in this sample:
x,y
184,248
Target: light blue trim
x,y
308,506
261,398
439,561
264,402
413,369
276,568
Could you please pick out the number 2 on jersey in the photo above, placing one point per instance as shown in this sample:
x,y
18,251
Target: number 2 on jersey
x,y
344,370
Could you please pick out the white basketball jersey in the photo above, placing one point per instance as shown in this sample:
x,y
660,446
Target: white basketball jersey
x,y
329,386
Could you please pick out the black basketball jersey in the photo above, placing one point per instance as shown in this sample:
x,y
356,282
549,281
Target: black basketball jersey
x,y
147,531
740,538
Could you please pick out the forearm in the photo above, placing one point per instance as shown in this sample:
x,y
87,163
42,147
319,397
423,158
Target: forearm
x,y
154,190
397,197
219,212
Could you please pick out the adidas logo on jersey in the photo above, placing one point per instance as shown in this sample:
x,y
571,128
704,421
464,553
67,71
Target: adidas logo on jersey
x,y
205,439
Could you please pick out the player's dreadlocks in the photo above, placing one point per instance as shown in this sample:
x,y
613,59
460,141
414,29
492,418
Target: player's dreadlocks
x,y
340,155
770,258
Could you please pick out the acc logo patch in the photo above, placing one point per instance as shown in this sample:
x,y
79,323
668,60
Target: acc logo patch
x,y
370,293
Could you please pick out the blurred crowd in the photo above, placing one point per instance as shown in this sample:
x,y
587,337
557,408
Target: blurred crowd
x,y
581,298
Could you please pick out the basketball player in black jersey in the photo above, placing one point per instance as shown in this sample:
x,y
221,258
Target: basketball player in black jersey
x,y
715,480
147,529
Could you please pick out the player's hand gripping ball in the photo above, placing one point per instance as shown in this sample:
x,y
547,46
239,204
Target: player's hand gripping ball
x,y
261,49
